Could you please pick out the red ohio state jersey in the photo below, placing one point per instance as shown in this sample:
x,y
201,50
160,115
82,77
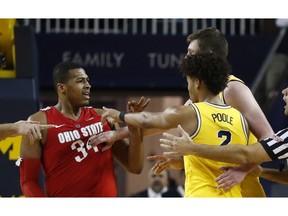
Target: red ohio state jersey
x,y
72,167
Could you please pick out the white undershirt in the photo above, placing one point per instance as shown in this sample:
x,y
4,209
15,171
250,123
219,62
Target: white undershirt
x,y
152,193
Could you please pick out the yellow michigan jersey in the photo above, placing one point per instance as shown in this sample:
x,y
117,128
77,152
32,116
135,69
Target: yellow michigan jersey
x,y
251,186
217,125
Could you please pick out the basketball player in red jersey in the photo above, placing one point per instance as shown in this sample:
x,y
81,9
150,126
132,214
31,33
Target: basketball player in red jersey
x,y
72,167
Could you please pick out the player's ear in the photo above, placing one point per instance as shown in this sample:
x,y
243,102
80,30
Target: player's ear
x,y
61,87
197,83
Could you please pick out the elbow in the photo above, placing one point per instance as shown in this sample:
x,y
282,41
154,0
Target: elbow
x,y
136,169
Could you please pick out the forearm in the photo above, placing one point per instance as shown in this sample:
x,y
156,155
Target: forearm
x,y
122,133
8,130
233,153
167,119
130,155
29,177
136,152
141,120
219,153
275,175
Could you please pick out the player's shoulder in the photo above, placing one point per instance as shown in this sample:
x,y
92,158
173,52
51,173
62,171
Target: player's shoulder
x,y
92,109
38,116
89,108
236,87
46,108
97,110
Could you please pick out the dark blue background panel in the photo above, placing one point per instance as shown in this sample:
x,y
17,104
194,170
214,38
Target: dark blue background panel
x,y
140,62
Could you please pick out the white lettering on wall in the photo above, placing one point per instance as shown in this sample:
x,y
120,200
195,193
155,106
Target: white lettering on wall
x,y
99,60
164,60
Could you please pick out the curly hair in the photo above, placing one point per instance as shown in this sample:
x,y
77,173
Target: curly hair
x,y
209,68
210,39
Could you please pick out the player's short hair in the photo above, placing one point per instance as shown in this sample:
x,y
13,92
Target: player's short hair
x,y
210,39
61,71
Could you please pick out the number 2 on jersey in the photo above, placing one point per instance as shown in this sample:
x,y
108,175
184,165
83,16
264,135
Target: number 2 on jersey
x,y
227,135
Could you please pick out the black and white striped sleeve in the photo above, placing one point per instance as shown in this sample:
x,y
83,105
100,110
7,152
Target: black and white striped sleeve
x,y
277,146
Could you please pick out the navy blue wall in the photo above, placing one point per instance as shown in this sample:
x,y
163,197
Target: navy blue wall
x,y
145,62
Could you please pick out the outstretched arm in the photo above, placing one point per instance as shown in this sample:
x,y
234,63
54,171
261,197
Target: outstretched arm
x,y
227,181
274,174
31,129
168,119
233,153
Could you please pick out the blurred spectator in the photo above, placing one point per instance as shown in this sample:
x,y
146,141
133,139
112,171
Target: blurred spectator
x,y
158,184
176,190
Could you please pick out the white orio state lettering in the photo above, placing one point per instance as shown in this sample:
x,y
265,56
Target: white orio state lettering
x,y
164,60
68,136
86,131
222,117
99,60
90,130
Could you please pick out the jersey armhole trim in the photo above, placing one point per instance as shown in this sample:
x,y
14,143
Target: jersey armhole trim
x,y
199,122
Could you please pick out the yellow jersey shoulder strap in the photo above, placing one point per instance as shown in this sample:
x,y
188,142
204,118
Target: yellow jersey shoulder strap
x,y
230,78
233,78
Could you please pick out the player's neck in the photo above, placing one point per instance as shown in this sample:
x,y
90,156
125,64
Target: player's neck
x,y
212,99
68,110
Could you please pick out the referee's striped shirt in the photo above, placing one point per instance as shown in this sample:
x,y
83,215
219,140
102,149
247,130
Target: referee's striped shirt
x,y
277,146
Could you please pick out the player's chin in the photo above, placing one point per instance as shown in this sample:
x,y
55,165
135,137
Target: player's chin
x,y
85,102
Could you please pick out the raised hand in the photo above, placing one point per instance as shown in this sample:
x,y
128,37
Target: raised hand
x,y
176,146
107,137
133,106
110,137
163,162
110,113
232,176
